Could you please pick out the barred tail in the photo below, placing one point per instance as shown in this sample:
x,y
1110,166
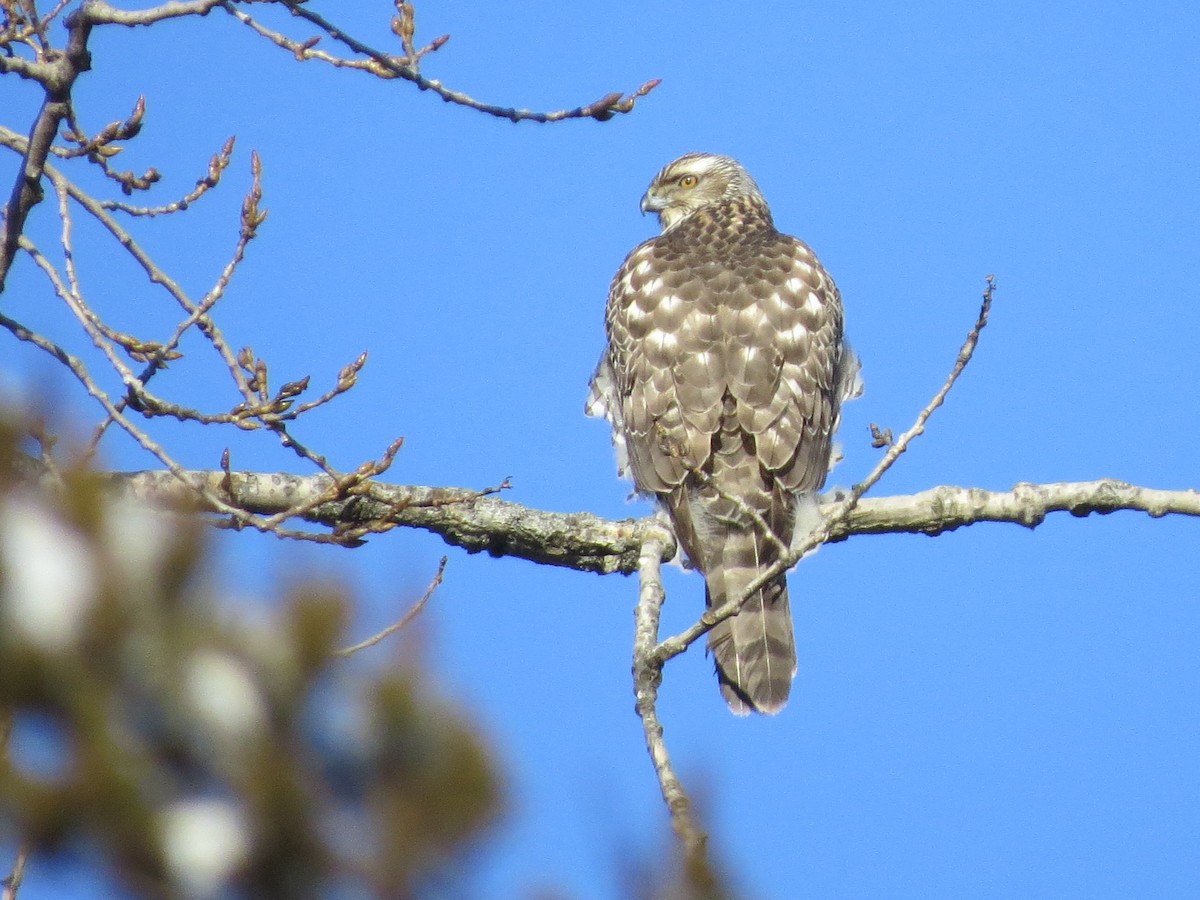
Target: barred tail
x,y
754,651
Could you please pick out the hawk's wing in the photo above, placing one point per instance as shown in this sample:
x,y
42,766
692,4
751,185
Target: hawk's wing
x,y
682,336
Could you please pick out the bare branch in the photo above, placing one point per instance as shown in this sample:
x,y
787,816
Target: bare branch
x,y
57,72
647,676
26,68
216,166
12,883
947,508
466,518
258,408
155,274
40,25
385,65
97,12
412,613
347,378
79,370
462,517
965,353
102,148
102,337
27,191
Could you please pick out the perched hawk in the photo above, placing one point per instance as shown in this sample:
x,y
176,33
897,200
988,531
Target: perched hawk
x,y
722,379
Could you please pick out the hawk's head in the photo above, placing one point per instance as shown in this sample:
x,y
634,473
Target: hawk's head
x,y
694,181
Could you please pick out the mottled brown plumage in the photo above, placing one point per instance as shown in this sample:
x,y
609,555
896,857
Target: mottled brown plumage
x,y
723,377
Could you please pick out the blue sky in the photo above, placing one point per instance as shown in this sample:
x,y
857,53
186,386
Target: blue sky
x,y
995,712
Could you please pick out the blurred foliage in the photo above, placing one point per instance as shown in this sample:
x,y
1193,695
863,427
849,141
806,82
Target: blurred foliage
x,y
203,752
645,877
204,746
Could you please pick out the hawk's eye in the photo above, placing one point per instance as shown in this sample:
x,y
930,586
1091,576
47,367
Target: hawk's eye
x,y
687,181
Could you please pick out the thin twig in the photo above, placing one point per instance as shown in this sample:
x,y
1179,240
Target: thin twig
x,y
158,352
216,166
386,65
95,329
81,373
10,885
49,17
412,613
99,150
238,517
153,272
756,519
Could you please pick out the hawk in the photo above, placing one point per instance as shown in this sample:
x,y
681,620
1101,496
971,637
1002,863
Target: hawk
x,y
723,378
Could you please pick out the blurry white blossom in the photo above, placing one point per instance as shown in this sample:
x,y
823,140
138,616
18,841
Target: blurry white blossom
x,y
224,694
49,582
137,538
203,842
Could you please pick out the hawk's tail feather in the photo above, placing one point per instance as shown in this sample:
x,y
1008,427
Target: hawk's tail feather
x,y
754,651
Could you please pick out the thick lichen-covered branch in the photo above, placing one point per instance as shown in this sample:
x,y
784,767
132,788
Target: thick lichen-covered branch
x,y
468,519
462,517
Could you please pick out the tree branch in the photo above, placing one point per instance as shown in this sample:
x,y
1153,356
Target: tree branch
x,y
647,676
407,67
582,541
97,12
57,72
402,623
12,883
463,517
27,190
26,68
946,508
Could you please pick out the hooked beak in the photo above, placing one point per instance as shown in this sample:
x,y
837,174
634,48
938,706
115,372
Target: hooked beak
x,y
651,202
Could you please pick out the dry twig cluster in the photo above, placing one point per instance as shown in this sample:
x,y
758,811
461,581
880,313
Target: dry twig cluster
x,y
259,402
